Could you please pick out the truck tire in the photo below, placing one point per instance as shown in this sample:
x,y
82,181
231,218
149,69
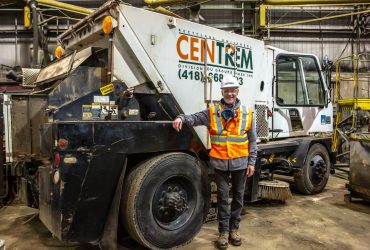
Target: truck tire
x,y
164,201
314,175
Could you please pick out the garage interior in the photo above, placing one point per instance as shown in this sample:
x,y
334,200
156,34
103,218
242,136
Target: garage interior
x,y
336,31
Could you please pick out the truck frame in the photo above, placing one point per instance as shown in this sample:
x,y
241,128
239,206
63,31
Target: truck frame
x,y
99,162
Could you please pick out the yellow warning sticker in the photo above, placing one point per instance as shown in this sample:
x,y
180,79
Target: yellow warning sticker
x,y
106,89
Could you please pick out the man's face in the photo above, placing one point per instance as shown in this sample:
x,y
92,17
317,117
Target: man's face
x,y
229,95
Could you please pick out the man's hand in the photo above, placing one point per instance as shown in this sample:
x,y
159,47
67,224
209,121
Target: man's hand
x,y
250,170
177,124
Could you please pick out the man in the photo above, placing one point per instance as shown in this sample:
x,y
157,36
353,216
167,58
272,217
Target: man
x,y
233,153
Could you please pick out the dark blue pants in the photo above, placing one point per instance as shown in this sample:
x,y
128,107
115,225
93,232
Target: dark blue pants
x,y
229,219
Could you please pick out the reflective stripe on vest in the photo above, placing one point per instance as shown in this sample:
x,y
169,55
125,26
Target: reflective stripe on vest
x,y
222,139
218,120
249,120
244,121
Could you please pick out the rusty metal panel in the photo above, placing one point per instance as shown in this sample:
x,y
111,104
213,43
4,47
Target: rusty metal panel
x,y
46,140
62,66
81,82
49,217
360,168
28,113
38,116
23,194
21,135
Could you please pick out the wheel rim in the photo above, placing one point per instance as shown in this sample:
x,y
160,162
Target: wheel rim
x,y
318,169
174,202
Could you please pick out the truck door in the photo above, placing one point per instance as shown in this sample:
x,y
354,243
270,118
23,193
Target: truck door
x,y
301,100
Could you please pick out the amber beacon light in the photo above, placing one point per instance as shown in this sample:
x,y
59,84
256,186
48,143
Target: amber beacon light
x,y
107,24
59,51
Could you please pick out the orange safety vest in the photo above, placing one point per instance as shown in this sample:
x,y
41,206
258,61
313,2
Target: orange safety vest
x,y
231,141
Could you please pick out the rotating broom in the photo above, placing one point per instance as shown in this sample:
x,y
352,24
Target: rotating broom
x,y
272,189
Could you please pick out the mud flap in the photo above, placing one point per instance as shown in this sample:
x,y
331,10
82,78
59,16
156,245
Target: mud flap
x,y
109,238
251,186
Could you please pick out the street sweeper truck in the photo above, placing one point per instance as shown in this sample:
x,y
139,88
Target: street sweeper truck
x,y
93,146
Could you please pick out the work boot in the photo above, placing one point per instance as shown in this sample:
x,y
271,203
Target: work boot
x,y
223,241
234,238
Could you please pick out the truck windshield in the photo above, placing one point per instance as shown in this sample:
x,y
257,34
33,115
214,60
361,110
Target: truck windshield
x,y
298,81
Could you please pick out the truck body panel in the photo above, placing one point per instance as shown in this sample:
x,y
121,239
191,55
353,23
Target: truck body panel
x,y
185,52
82,192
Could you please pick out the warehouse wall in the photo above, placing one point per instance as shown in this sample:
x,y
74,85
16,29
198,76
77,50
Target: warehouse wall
x,y
8,53
332,48
331,37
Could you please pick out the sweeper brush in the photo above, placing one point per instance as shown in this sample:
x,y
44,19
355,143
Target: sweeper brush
x,y
274,190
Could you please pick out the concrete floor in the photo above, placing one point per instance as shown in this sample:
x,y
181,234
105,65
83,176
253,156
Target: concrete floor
x,y
322,221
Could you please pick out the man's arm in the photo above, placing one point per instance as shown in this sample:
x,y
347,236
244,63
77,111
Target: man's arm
x,y
196,119
252,138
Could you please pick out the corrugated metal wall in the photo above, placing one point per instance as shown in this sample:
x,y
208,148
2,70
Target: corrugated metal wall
x,y
333,48
8,53
333,38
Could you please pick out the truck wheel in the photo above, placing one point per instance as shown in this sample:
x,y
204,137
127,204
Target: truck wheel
x,y
164,200
314,175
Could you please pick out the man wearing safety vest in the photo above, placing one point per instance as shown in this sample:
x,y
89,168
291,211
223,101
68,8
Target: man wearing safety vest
x,y
233,153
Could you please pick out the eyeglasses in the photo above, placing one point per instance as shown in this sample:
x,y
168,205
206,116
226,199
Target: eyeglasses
x,y
230,91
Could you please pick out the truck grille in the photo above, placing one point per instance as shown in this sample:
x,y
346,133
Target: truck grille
x,y
262,126
29,77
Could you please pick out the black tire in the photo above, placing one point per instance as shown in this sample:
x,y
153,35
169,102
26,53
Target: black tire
x,y
314,175
164,199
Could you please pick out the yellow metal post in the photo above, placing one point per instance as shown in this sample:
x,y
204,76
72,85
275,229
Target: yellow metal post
x,y
336,134
262,15
27,17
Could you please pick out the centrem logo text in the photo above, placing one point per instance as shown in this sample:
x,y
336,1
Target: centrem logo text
x,y
215,53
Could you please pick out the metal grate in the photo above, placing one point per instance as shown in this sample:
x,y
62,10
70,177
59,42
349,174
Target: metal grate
x,y
262,125
29,77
